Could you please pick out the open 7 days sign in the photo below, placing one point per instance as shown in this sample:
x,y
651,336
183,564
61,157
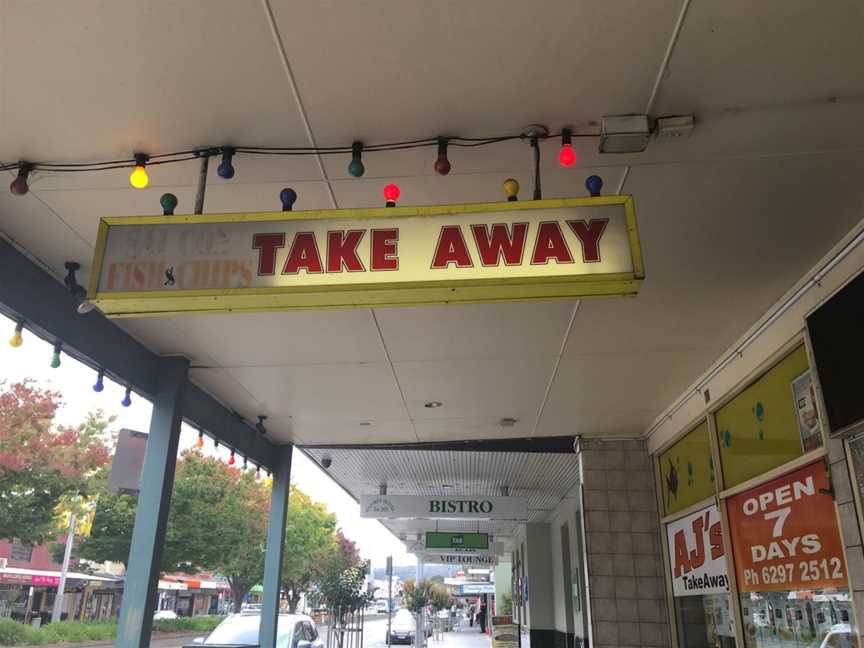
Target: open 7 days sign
x,y
577,247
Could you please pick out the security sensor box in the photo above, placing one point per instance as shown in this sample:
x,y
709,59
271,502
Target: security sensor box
x,y
674,128
624,134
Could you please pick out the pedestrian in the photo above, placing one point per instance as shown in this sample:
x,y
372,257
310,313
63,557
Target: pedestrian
x,y
481,617
471,616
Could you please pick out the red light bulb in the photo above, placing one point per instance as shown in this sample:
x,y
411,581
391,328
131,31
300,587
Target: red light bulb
x,y
231,459
566,156
391,193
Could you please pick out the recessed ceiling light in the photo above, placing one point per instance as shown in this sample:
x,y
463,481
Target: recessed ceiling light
x,y
446,485
433,404
508,422
364,423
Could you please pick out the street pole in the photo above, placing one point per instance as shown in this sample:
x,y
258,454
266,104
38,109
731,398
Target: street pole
x,y
389,596
57,610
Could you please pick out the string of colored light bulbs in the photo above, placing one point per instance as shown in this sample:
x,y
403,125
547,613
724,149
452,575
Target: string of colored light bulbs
x,y
139,162
17,340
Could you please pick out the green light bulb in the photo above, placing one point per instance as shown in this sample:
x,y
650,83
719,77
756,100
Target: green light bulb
x,y
55,360
356,168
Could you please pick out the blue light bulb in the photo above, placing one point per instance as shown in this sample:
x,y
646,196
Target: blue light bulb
x,y
594,184
100,385
288,197
127,399
226,169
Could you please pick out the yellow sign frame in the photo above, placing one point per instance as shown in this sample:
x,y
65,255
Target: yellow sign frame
x,y
154,303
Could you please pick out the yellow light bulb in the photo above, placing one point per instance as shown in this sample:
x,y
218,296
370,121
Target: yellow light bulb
x,y
138,178
16,340
511,188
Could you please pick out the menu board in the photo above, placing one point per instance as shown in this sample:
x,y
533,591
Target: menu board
x,y
785,534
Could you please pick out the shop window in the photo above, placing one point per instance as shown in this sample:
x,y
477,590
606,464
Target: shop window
x,y
700,585
687,470
789,563
771,422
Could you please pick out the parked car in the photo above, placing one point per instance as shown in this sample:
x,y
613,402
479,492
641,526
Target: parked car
x,y
165,615
839,636
250,608
381,605
292,631
403,626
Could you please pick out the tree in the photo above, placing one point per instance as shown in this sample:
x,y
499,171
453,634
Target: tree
x,y
309,542
40,463
417,595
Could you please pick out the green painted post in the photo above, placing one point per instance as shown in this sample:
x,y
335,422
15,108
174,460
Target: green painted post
x,y
275,544
157,479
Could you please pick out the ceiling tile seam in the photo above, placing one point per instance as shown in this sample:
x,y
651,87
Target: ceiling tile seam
x,y
393,372
555,367
658,80
74,231
292,82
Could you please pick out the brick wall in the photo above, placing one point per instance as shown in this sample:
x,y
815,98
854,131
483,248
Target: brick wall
x,y
625,570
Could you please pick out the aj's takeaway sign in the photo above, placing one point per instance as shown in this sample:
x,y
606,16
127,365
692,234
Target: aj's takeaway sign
x,y
439,507
697,555
578,247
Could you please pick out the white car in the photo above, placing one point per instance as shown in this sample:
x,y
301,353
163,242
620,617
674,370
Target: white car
x,y
292,631
169,615
839,636
381,605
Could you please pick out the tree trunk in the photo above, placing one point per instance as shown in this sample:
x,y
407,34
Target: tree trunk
x,y
293,600
237,593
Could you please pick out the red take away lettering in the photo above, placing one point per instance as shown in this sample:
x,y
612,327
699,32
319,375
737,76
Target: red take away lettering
x,y
682,558
451,248
491,246
267,244
385,252
697,556
342,251
550,244
303,255
589,235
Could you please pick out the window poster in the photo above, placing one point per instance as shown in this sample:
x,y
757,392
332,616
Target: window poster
x,y
696,554
804,395
785,534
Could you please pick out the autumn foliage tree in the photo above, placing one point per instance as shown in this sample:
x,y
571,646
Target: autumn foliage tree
x,y
41,463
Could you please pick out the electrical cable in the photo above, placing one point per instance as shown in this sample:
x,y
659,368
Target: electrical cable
x,y
192,154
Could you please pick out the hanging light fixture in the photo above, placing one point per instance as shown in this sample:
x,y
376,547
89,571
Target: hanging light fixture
x,y
231,459
355,166
168,201
288,197
391,194
127,398
17,339
226,168
99,385
55,357
200,442
19,186
566,156
139,178
442,164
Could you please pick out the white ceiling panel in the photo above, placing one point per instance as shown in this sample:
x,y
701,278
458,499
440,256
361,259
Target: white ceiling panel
x,y
96,78
479,67
324,392
357,431
508,386
460,331
480,427
740,54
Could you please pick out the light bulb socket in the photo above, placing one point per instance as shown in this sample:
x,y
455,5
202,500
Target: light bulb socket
x,y
19,328
566,137
141,159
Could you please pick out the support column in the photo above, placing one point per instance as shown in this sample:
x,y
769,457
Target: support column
x,y
275,544
151,518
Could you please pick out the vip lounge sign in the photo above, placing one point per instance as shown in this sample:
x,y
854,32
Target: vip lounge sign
x,y
785,534
439,507
577,247
697,555
456,559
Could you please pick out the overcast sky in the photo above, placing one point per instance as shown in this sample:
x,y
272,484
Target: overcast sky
x,y
75,382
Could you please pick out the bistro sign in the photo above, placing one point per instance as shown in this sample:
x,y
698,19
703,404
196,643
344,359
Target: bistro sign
x,y
577,247
435,507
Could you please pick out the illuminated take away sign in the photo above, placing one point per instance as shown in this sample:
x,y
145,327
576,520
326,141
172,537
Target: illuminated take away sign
x,y
577,247
442,507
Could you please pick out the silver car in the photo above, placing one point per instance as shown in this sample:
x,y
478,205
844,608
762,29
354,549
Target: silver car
x,y
292,631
